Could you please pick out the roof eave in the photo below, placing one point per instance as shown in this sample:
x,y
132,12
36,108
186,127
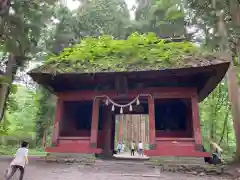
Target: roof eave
x,y
213,81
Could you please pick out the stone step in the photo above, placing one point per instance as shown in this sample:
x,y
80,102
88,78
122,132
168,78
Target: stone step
x,y
179,160
124,167
127,167
70,158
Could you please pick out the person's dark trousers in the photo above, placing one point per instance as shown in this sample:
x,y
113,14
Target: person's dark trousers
x,y
132,152
119,151
14,168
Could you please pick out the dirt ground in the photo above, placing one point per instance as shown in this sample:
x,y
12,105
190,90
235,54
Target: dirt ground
x,y
51,171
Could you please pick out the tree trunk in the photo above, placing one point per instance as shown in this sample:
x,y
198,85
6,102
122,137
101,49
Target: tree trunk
x,y
233,87
233,91
224,126
10,72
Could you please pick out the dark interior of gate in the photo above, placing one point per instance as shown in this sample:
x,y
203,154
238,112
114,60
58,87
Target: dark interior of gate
x,y
173,118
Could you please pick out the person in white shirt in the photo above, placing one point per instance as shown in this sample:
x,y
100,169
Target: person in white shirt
x,y
140,148
119,147
19,162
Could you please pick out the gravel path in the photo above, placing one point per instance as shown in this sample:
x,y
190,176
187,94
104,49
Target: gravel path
x,y
52,171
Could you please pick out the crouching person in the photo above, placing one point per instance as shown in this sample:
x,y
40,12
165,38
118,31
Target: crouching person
x,y
19,162
217,153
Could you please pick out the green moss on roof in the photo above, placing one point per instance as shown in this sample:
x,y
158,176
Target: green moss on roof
x,y
136,53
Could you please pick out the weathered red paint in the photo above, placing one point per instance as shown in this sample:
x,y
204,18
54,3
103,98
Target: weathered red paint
x,y
160,92
58,115
95,117
166,143
196,121
176,147
74,146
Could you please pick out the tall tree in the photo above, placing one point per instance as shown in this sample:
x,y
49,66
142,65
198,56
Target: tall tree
x,y
222,34
20,26
166,18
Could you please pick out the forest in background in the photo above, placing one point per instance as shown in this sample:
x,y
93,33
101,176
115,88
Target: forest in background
x,y
32,31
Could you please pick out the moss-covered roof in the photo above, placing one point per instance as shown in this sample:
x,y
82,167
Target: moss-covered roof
x,y
137,53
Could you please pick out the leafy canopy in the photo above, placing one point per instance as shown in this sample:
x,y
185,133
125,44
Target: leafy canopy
x,y
137,52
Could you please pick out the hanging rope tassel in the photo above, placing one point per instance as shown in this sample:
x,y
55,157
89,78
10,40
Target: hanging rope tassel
x,y
121,110
106,102
138,102
130,108
110,101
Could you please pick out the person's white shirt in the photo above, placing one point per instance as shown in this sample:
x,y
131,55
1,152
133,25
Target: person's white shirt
x,y
140,145
132,146
20,157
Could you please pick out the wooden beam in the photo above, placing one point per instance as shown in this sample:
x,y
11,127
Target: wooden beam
x,y
121,85
162,92
196,124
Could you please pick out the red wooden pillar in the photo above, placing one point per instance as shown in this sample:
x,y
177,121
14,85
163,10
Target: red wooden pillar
x,y
152,131
58,116
94,125
196,124
108,133
120,133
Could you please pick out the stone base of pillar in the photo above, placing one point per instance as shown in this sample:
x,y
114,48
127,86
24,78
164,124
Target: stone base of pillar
x,y
107,153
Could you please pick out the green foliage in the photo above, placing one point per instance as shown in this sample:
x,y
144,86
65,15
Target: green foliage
x,y
4,126
21,24
216,120
28,114
166,18
12,106
21,112
46,105
138,52
103,17
90,19
11,150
